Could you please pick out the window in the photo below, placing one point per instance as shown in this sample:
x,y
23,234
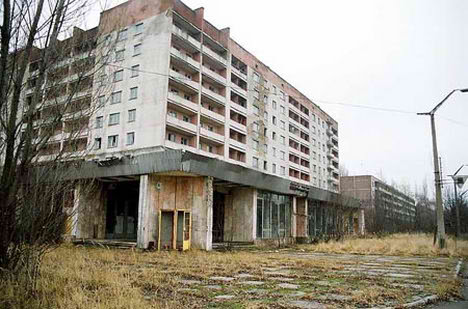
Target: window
x,y
187,119
184,141
114,119
132,115
256,77
122,35
112,141
101,101
265,116
255,162
274,152
172,114
283,140
256,94
255,144
314,155
315,168
135,70
97,143
256,110
313,142
282,95
138,28
265,148
273,119
102,79
255,127
273,168
283,155
273,136
265,165
283,171
118,76
99,122
116,97
130,138
283,125
133,93
274,105
282,109
265,99
137,49
171,137
119,55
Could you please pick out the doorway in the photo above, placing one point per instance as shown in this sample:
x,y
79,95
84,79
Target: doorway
x,y
175,230
218,217
122,210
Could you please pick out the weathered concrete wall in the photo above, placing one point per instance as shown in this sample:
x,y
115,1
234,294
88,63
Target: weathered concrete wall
x,y
240,215
170,193
90,211
202,214
301,217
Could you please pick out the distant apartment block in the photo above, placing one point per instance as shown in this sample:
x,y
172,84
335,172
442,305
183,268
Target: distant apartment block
x,y
386,208
195,140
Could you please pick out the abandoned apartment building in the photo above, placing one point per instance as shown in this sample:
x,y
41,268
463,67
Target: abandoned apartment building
x,y
199,142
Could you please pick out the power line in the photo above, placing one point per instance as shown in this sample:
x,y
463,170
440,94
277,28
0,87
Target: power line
x,y
381,109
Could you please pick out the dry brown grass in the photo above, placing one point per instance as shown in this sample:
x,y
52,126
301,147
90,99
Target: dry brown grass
x,y
80,277
396,244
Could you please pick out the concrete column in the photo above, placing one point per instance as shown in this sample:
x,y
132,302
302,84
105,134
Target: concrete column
x,y
143,213
202,215
306,217
362,223
294,217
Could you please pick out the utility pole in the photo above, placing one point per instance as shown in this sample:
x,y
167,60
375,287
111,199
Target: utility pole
x,y
438,182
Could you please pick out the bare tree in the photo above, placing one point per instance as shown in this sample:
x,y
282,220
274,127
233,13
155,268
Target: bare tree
x,y
47,98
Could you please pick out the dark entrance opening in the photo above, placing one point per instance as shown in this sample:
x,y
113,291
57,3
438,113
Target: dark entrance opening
x,y
122,210
218,216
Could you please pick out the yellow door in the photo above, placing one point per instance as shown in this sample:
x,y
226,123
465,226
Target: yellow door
x,y
187,230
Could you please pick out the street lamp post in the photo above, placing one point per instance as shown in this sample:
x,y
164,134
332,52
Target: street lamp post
x,y
439,208
458,181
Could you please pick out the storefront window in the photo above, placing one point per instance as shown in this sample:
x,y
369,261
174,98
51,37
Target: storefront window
x,y
273,215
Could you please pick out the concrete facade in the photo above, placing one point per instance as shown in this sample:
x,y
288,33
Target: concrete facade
x,y
387,209
189,128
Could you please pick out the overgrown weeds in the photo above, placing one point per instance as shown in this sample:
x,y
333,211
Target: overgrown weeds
x,y
396,244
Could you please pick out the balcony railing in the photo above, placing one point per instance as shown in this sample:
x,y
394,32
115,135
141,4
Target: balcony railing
x,y
185,58
182,34
239,90
182,125
217,97
237,144
214,55
176,99
211,135
238,108
214,75
212,115
239,73
182,79
238,126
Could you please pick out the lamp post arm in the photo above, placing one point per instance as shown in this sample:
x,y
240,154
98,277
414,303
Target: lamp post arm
x,y
432,112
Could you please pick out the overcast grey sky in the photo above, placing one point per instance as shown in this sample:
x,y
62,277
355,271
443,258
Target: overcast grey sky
x,y
392,54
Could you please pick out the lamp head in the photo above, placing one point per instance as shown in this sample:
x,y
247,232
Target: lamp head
x,y
464,90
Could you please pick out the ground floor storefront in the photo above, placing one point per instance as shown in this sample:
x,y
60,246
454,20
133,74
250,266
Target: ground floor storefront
x,y
180,208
